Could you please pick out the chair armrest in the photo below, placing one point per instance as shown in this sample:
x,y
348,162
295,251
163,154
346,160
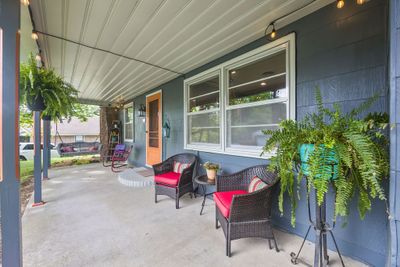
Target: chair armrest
x,y
252,207
163,167
187,175
231,182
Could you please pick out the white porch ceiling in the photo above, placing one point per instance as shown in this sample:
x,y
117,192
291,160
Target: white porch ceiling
x,y
179,35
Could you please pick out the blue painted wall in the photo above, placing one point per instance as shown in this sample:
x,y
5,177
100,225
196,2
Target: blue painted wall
x,y
345,53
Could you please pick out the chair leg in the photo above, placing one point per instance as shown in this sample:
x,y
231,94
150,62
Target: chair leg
x,y
216,219
228,241
269,242
276,245
177,202
155,197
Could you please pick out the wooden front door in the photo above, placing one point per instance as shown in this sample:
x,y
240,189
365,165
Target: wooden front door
x,y
153,129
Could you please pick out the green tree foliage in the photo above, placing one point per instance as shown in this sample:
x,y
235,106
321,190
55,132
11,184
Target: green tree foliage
x,y
360,146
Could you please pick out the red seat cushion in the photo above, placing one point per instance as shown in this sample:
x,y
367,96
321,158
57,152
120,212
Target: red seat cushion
x,y
223,200
168,178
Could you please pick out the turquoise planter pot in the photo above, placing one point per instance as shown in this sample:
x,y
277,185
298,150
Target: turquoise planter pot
x,y
331,159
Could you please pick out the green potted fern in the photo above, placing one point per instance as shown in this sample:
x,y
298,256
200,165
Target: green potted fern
x,y
331,148
43,90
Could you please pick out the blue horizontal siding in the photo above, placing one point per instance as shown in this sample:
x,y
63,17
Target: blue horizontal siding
x,y
344,52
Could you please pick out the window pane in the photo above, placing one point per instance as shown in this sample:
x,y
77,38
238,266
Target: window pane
x,y
264,114
248,136
128,131
266,67
128,115
204,95
259,91
204,128
245,125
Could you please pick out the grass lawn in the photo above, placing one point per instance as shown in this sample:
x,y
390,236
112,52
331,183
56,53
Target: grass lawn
x,y
26,167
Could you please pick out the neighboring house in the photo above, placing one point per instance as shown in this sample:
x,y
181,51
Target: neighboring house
x,y
76,131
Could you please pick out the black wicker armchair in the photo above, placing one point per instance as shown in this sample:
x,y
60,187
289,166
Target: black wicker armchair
x,y
243,214
174,184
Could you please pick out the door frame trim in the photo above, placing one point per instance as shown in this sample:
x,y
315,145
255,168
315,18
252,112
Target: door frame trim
x,y
162,116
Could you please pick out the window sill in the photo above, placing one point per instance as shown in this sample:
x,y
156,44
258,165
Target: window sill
x,y
236,153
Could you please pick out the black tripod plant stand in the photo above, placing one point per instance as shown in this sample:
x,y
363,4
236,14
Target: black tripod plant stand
x,y
322,229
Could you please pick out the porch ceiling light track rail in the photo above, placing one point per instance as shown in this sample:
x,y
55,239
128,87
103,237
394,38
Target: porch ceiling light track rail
x,y
106,51
272,23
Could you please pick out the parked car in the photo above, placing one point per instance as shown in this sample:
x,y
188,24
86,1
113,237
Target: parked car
x,y
26,151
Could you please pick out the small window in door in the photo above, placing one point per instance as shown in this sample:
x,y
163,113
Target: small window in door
x,y
153,123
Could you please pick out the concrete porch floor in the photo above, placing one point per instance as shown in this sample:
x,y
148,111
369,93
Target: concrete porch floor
x,y
90,219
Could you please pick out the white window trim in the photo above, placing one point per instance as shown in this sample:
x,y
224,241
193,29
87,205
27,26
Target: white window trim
x,y
130,105
285,43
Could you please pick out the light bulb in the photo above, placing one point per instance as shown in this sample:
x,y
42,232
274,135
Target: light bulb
x,y
273,34
25,2
263,84
340,3
34,36
360,2
38,57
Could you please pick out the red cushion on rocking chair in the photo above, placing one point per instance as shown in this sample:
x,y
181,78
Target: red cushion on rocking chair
x,y
168,178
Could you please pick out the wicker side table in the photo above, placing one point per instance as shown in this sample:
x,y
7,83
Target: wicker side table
x,y
203,182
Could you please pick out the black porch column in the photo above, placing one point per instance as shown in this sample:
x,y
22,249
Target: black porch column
x,y
395,132
9,147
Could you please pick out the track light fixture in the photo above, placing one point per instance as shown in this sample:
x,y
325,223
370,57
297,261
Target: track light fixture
x,y
339,3
272,35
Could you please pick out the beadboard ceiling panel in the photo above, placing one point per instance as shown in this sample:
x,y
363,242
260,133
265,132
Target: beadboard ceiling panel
x,y
177,35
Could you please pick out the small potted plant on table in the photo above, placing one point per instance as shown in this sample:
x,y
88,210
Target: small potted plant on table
x,y
211,169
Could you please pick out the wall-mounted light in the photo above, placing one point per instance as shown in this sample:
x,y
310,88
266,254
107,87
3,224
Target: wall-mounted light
x,y
142,111
360,2
34,35
25,2
38,57
340,3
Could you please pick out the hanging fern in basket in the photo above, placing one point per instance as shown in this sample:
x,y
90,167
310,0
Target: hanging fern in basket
x,y
343,150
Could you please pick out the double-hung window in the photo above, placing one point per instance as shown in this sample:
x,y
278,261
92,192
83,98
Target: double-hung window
x,y
229,106
203,111
129,122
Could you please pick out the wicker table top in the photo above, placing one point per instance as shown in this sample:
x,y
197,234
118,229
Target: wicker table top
x,y
203,179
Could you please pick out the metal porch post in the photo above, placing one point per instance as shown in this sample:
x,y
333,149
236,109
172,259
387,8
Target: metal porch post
x,y
37,164
46,149
394,198
9,147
